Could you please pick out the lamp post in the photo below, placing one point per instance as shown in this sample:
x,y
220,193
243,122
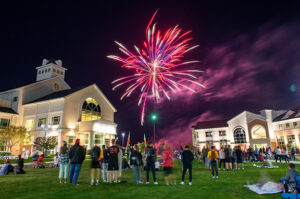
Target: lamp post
x,y
154,117
123,134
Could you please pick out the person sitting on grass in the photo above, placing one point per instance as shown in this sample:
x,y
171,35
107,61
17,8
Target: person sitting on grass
x,y
187,160
289,182
213,156
20,166
40,162
6,168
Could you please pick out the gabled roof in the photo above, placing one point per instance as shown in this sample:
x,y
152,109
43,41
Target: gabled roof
x,y
32,83
211,124
58,94
7,110
290,114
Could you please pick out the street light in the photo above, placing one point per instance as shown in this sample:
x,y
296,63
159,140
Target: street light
x,y
154,118
123,134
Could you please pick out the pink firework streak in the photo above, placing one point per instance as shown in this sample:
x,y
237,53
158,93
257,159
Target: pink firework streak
x,y
157,66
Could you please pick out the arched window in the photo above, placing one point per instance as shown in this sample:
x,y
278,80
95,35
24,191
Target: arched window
x,y
90,110
258,132
239,136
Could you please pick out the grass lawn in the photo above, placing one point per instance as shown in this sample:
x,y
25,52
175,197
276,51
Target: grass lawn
x,y
43,183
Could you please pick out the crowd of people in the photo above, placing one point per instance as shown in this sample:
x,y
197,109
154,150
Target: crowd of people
x,y
109,162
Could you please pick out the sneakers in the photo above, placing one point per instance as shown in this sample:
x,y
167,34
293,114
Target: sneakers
x,y
223,169
155,182
147,182
190,183
213,177
219,169
217,176
182,183
92,182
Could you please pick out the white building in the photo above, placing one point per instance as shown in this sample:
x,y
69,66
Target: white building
x,y
269,128
49,107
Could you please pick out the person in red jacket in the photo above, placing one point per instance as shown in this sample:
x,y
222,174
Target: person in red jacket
x,y
40,162
168,165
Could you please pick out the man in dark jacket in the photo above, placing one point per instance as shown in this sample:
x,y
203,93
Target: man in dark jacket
x,y
77,156
95,167
135,162
187,160
150,161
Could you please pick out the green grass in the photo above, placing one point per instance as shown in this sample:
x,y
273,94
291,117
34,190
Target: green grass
x,y
43,183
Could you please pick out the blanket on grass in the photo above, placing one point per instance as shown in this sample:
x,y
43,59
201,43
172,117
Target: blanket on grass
x,y
266,188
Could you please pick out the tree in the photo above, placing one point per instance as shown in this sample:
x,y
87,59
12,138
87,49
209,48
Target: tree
x,y
46,143
13,135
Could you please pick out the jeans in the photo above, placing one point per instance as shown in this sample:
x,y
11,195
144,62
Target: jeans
x,y
105,176
63,170
150,165
213,164
207,162
185,168
136,173
74,172
278,156
220,163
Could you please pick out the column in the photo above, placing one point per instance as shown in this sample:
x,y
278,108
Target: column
x,y
91,139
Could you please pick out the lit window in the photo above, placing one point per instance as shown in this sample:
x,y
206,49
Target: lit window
x,y
86,139
280,141
239,136
209,134
90,110
55,120
223,142
280,127
29,124
41,121
287,125
98,139
291,140
222,133
209,143
258,132
4,122
3,145
295,124
70,140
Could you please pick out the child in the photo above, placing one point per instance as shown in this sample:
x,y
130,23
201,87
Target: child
x,y
157,165
213,156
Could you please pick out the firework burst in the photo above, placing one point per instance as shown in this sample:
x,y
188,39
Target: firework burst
x,y
157,67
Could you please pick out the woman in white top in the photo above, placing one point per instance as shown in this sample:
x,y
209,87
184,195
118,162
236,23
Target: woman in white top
x,y
222,158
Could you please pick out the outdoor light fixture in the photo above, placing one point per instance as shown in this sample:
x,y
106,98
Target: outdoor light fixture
x,y
123,134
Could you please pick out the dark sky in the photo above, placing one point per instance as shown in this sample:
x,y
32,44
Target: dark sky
x,y
249,51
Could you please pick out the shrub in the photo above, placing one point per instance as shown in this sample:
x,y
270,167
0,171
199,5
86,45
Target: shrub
x,y
5,153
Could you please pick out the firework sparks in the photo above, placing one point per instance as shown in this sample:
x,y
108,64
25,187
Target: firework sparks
x,y
157,67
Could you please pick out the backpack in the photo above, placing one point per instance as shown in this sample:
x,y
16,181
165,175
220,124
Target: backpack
x,y
213,155
94,154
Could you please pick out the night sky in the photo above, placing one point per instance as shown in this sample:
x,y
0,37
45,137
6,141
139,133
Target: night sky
x,y
249,51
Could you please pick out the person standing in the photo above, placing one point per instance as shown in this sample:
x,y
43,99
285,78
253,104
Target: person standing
x,y
213,156
207,161
113,162
64,162
239,158
77,156
203,153
150,161
136,162
56,160
277,154
293,152
95,167
168,165
105,172
222,158
228,157
285,155
187,160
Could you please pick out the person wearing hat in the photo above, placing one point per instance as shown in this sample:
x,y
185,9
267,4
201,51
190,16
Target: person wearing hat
x,y
77,156
63,162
